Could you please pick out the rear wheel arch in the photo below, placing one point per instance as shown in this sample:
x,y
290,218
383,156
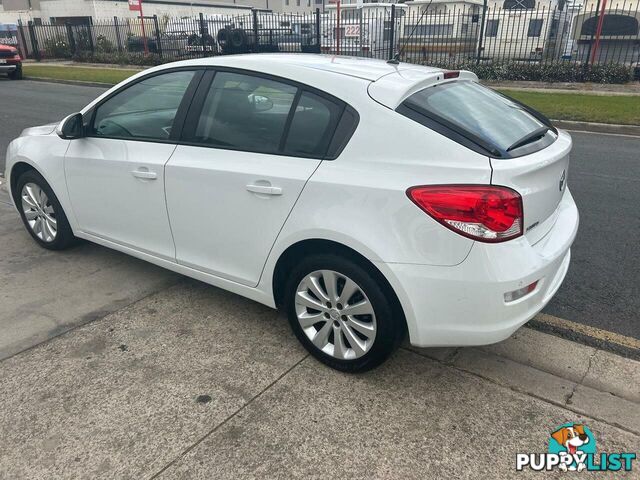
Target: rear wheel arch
x,y
294,253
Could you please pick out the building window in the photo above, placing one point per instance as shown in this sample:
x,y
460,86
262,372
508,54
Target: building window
x,y
492,28
611,25
519,4
297,3
464,28
286,2
535,27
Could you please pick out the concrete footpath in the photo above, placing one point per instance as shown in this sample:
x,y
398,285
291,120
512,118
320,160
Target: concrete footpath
x,y
194,382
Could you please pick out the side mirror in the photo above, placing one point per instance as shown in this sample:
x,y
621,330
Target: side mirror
x,y
71,127
260,103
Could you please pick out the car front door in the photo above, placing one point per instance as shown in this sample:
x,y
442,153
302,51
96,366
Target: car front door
x,y
115,174
247,150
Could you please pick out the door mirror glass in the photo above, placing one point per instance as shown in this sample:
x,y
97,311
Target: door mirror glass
x,y
71,127
260,103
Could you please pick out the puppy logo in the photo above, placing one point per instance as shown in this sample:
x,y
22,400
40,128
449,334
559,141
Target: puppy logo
x,y
575,440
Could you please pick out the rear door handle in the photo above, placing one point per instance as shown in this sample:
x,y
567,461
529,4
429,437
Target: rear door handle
x,y
264,189
145,174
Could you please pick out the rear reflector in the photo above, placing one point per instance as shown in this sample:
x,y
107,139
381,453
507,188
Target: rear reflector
x,y
452,74
521,292
481,212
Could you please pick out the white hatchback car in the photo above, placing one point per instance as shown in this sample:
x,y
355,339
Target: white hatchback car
x,y
367,199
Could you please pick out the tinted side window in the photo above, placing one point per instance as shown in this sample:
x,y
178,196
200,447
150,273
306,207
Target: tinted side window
x,y
312,126
244,112
144,110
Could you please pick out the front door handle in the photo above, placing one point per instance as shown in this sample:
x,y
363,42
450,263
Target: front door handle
x,y
145,174
264,189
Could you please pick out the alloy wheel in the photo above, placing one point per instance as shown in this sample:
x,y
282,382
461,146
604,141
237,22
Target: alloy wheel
x,y
335,314
39,212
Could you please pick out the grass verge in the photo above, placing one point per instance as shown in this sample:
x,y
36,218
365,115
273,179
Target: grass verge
x,y
618,109
85,74
624,110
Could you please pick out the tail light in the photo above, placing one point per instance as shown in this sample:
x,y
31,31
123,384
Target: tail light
x,y
481,212
451,74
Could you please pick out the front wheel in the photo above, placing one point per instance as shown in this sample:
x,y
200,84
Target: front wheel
x,y
16,74
341,313
42,213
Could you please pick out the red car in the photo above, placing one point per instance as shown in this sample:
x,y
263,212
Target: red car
x,y
10,62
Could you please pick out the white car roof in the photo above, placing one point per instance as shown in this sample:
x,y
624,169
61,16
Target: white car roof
x,y
388,84
364,68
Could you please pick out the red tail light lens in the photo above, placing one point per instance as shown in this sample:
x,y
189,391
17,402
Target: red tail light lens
x,y
482,212
451,74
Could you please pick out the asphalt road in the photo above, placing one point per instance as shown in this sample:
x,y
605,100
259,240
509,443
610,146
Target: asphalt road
x,y
602,288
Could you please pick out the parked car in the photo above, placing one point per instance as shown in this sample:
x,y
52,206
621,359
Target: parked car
x,y
10,62
367,199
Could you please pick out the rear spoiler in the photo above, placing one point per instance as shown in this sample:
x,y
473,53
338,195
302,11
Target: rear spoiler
x,y
394,88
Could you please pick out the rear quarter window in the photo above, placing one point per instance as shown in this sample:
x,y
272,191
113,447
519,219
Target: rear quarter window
x,y
474,115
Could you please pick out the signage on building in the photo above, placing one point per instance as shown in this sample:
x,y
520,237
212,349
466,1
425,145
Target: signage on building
x,y
135,5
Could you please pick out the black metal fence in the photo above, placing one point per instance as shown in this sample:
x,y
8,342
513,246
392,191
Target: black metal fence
x,y
517,31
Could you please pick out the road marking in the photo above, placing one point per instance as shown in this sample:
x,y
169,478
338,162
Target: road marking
x,y
601,133
593,332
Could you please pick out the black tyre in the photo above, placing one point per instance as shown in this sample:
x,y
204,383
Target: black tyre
x,y
223,36
238,38
16,74
42,213
342,314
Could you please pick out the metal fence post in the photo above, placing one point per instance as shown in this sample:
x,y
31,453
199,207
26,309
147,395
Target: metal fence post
x,y
71,38
481,39
118,39
392,33
23,40
90,38
318,29
158,40
256,41
34,41
202,34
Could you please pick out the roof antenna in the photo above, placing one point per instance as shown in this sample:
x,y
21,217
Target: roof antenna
x,y
396,58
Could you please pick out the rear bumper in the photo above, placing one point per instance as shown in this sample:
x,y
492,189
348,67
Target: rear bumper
x,y
465,305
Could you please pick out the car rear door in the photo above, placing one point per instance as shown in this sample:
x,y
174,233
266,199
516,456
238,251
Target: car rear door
x,y
249,145
115,174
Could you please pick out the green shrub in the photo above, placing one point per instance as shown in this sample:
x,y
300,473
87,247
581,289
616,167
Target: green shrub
x,y
57,47
83,41
546,72
122,58
104,45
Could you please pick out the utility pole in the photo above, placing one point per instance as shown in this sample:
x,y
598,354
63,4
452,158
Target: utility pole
x,y
136,5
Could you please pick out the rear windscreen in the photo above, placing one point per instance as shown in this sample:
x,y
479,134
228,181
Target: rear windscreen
x,y
478,112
